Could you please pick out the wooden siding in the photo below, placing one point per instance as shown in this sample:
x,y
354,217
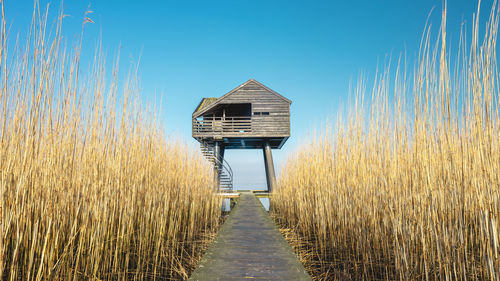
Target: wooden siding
x,y
276,124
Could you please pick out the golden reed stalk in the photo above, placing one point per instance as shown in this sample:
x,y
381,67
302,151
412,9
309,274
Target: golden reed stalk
x,y
410,188
91,190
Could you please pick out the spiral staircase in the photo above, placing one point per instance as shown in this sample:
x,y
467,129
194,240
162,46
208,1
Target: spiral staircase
x,y
222,168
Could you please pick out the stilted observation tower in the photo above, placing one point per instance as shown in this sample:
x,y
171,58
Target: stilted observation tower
x,y
251,116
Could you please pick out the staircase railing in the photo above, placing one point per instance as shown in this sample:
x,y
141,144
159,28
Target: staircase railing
x,y
224,170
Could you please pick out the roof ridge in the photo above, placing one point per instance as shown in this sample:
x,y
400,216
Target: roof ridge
x,y
202,109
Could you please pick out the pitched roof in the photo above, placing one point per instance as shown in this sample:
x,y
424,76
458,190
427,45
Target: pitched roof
x,y
202,109
204,103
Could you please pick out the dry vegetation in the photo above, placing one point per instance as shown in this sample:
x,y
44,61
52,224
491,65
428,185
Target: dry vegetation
x,y
408,189
91,190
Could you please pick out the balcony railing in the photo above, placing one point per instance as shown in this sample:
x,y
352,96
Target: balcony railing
x,y
209,125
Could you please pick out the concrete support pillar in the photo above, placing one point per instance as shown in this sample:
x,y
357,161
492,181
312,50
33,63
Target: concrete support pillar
x,y
268,163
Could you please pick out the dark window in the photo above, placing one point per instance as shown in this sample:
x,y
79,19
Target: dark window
x,y
237,109
265,113
256,113
261,113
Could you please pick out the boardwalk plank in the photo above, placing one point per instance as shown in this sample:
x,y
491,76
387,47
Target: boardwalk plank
x,y
249,246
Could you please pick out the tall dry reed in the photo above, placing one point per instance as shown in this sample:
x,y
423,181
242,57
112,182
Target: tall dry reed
x,y
90,186
407,186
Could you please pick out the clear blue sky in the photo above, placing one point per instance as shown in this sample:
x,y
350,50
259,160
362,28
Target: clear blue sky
x,y
308,51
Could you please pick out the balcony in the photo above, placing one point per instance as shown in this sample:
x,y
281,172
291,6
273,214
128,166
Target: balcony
x,y
218,126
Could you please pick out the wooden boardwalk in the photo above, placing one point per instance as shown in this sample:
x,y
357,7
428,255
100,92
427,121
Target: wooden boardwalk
x,y
249,247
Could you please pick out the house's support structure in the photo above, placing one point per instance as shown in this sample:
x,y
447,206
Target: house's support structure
x,y
251,116
268,162
217,164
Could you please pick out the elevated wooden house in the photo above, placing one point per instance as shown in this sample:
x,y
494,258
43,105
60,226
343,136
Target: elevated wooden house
x,y
251,116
